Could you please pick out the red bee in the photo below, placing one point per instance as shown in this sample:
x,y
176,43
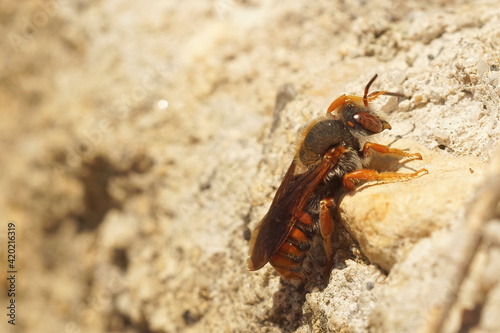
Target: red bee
x,y
329,158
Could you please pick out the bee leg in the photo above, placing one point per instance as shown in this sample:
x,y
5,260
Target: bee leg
x,y
338,102
390,151
341,101
354,177
326,226
376,94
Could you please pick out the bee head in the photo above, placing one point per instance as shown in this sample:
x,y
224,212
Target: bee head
x,y
361,120
351,113
355,113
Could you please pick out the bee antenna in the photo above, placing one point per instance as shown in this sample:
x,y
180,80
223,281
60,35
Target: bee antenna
x,y
367,88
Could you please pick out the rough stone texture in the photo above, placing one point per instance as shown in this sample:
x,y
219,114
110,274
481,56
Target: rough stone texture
x,y
387,220
135,217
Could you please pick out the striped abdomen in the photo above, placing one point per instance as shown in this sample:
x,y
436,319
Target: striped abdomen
x,y
287,261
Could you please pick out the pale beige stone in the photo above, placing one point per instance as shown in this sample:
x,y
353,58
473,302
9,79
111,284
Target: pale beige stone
x,y
133,214
388,219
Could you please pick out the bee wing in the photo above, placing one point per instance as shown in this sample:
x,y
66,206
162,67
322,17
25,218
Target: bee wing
x,y
288,202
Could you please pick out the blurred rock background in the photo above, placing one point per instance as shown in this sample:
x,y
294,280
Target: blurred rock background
x,y
138,150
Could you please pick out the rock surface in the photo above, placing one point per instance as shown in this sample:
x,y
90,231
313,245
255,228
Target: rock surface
x,y
387,220
140,145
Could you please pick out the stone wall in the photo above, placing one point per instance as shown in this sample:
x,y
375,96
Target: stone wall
x,y
140,145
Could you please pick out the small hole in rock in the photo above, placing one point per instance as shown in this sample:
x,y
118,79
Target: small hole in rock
x,y
120,258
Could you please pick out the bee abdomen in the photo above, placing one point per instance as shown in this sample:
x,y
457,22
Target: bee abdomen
x,y
290,255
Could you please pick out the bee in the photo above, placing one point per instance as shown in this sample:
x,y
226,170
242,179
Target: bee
x,y
330,158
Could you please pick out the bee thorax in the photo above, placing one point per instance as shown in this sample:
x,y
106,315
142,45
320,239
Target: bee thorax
x,y
349,162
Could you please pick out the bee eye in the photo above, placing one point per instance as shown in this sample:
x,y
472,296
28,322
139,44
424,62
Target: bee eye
x,y
369,122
